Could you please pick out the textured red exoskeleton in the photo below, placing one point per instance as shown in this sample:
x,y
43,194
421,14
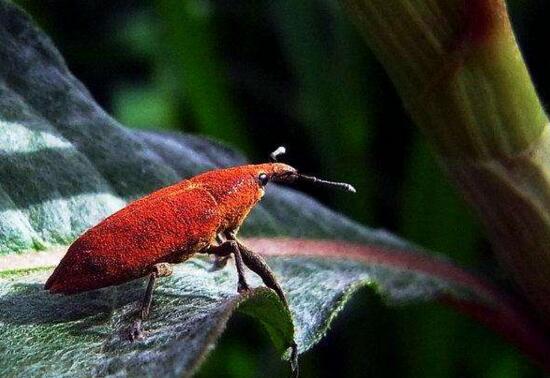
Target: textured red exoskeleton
x,y
198,215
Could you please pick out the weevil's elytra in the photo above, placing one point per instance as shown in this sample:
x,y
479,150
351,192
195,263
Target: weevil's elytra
x,y
172,224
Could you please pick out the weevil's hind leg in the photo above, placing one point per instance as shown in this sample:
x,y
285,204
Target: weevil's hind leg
x,y
226,249
159,270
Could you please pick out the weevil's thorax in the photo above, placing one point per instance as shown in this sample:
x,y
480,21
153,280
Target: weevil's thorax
x,y
237,190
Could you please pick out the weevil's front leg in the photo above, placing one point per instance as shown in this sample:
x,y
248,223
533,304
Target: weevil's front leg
x,y
159,270
227,248
257,264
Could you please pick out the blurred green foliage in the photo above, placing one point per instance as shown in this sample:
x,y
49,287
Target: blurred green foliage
x,y
257,74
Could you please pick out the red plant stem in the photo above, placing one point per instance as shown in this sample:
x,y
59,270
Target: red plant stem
x,y
493,307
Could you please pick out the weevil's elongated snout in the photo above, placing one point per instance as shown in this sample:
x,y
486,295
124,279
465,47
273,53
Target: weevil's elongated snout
x,y
330,184
293,177
285,174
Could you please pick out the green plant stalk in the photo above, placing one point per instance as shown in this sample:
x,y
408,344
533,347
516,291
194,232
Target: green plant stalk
x,y
460,74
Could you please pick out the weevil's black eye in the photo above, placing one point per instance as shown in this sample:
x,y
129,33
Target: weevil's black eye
x,y
263,179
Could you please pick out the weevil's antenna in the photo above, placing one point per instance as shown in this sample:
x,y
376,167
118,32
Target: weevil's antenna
x,y
279,151
315,180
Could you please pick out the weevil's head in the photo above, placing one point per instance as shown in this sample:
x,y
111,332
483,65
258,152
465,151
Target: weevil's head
x,y
285,174
236,190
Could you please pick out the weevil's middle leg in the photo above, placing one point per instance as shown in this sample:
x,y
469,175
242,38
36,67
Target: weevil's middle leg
x,y
159,270
227,248
220,261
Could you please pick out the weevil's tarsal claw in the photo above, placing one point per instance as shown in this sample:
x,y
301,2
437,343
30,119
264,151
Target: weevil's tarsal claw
x,y
242,287
294,360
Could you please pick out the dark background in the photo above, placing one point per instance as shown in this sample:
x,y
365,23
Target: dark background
x,y
257,74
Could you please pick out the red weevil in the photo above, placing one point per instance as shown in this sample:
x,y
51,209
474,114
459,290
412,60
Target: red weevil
x,y
198,215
